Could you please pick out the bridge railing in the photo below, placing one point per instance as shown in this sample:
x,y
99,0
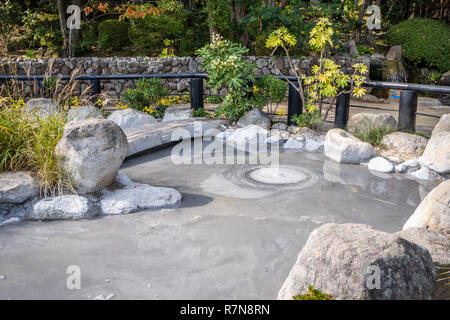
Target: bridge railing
x,y
407,110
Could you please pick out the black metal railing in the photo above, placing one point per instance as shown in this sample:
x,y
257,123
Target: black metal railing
x,y
406,113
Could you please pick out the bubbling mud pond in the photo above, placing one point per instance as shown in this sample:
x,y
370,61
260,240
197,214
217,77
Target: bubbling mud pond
x,y
235,235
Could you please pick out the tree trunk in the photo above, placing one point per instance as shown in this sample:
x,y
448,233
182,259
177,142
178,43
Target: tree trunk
x,y
362,10
61,4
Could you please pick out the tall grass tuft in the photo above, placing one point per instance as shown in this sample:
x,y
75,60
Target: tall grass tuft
x,y
373,134
27,142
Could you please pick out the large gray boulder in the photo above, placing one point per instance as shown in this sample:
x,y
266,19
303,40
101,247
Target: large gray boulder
x,y
437,153
403,145
443,124
138,196
254,117
42,107
91,152
361,121
66,207
17,187
131,118
394,53
342,147
433,212
343,260
83,112
177,113
437,244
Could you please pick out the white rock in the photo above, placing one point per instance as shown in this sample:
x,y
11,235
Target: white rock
x,y
380,164
92,152
442,125
421,174
363,120
341,146
313,145
17,187
254,117
84,112
404,145
177,113
400,168
137,197
437,153
293,144
63,208
42,107
280,126
131,118
434,211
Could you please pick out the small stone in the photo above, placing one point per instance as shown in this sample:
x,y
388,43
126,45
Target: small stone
x,y
254,117
131,118
421,174
293,144
313,146
137,197
177,113
380,164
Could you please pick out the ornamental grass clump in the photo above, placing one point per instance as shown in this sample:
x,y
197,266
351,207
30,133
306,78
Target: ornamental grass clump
x,y
28,141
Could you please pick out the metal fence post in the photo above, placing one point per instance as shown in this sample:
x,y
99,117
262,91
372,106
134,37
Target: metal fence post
x,y
342,109
407,110
95,91
196,87
294,103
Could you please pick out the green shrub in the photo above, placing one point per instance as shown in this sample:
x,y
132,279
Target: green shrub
x,y
272,90
27,142
213,99
146,96
307,119
373,135
313,294
423,41
148,34
200,113
113,34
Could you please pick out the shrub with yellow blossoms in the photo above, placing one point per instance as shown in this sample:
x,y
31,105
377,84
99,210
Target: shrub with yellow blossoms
x,y
327,80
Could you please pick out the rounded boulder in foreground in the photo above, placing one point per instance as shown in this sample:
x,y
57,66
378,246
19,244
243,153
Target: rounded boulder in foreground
x,y
344,260
92,152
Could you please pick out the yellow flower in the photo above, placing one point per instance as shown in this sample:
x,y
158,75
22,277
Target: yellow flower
x,y
281,112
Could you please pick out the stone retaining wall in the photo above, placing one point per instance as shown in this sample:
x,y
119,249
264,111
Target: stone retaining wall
x,y
145,65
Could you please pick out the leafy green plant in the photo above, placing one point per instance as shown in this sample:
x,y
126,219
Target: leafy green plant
x,y
113,34
10,19
307,119
223,60
213,99
362,50
373,134
30,54
27,142
313,294
423,41
200,113
272,89
146,96
149,33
